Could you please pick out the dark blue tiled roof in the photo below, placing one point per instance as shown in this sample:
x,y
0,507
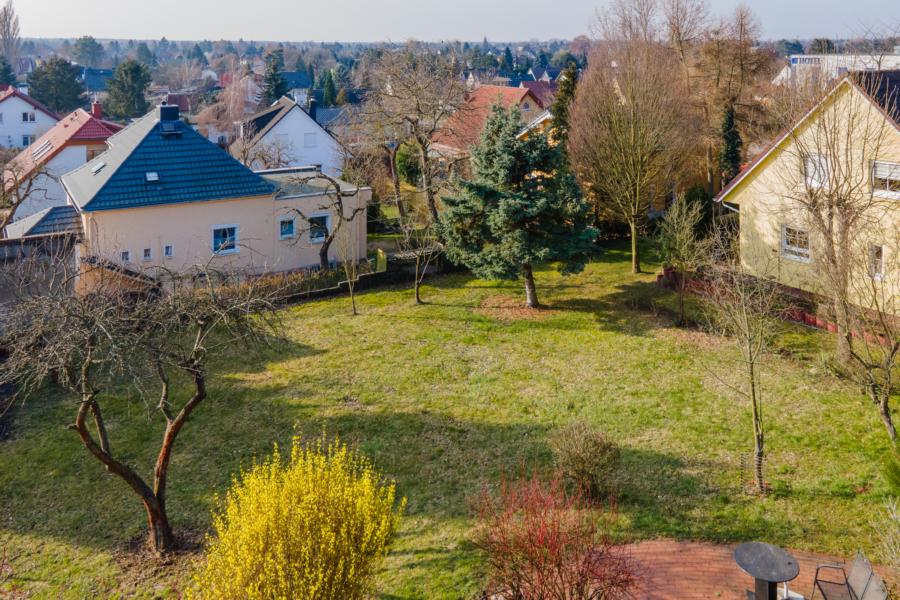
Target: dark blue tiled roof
x,y
297,79
57,219
95,79
189,168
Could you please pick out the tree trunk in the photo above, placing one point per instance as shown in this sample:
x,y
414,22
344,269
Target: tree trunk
x,y
682,285
531,299
844,333
323,255
426,183
884,410
635,253
418,279
161,537
758,432
395,181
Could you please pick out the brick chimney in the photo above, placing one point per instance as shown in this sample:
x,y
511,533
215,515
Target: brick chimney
x,y
96,110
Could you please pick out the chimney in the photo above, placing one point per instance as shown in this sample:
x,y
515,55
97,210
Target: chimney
x,y
312,108
168,112
96,110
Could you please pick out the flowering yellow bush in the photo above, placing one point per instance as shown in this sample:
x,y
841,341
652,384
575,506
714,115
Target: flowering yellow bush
x,y
314,528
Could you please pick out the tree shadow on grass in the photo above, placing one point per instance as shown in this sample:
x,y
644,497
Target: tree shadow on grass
x,y
636,308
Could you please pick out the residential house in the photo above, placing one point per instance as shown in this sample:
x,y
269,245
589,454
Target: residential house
x,y
846,149
299,85
22,118
94,80
286,129
825,68
73,141
544,91
463,129
164,199
549,74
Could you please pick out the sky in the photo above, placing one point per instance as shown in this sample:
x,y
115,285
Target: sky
x,y
399,20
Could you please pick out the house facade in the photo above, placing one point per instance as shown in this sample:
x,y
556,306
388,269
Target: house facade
x,y
74,140
22,118
845,151
162,199
289,131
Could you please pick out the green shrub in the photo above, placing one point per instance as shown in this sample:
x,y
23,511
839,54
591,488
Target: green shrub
x,y
586,458
409,166
316,527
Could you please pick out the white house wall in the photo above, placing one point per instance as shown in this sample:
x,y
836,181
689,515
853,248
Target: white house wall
x,y
292,130
12,128
48,190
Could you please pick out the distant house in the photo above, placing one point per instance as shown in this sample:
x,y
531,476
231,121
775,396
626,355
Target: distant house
x,y
299,85
463,129
74,140
94,80
294,133
544,91
824,68
164,199
539,125
549,74
22,118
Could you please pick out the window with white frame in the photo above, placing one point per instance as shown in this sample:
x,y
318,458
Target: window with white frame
x,y
168,251
795,243
27,140
147,254
28,117
815,169
886,179
318,228
224,239
125,256
876,261
286,228
309,140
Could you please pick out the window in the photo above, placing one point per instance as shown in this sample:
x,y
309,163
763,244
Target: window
x,y
27,140
169,251
795,243
151,176
225,239
28,117
886,179
815,168
286,229
309,140
1,117
318,228
526,106
125,256
876,261
147,254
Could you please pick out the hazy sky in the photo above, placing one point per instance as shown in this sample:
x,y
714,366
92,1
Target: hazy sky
x,y
397,20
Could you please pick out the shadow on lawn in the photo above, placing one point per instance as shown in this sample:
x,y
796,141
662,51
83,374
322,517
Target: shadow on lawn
x,y
633,308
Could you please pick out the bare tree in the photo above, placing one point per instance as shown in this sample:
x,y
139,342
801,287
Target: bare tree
x,y
745,308
90,343
873,335
418,245
418,89
631,129
10,39
681,247
260,154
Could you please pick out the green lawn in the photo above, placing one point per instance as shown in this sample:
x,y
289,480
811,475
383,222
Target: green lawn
x,y
444,397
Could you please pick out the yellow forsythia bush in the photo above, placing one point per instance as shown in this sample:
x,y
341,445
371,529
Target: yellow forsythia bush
x,y
315,528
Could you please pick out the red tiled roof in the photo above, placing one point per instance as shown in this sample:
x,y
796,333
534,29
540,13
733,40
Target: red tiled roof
x,y
79,126
464,127
8,91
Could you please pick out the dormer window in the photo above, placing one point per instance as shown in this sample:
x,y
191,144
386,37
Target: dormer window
x,y
98,167
152,176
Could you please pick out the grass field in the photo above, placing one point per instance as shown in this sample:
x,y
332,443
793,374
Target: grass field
x,y
445,397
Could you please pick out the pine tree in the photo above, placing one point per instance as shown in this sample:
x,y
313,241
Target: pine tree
x,y
55,83
300,66
509,63
730,157
7,77
565,95
127,90
329,94
143,54
522,207
274,84
311,71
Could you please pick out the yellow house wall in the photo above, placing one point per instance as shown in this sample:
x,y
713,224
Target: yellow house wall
x,y
766,198
188,227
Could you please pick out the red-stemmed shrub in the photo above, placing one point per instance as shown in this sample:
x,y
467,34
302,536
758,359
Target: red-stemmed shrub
x,y
544,544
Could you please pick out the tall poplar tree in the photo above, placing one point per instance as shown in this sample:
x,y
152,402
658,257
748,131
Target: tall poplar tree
x,y
522,207
730,156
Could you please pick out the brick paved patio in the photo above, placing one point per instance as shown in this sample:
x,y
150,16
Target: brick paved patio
x,y
670,570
